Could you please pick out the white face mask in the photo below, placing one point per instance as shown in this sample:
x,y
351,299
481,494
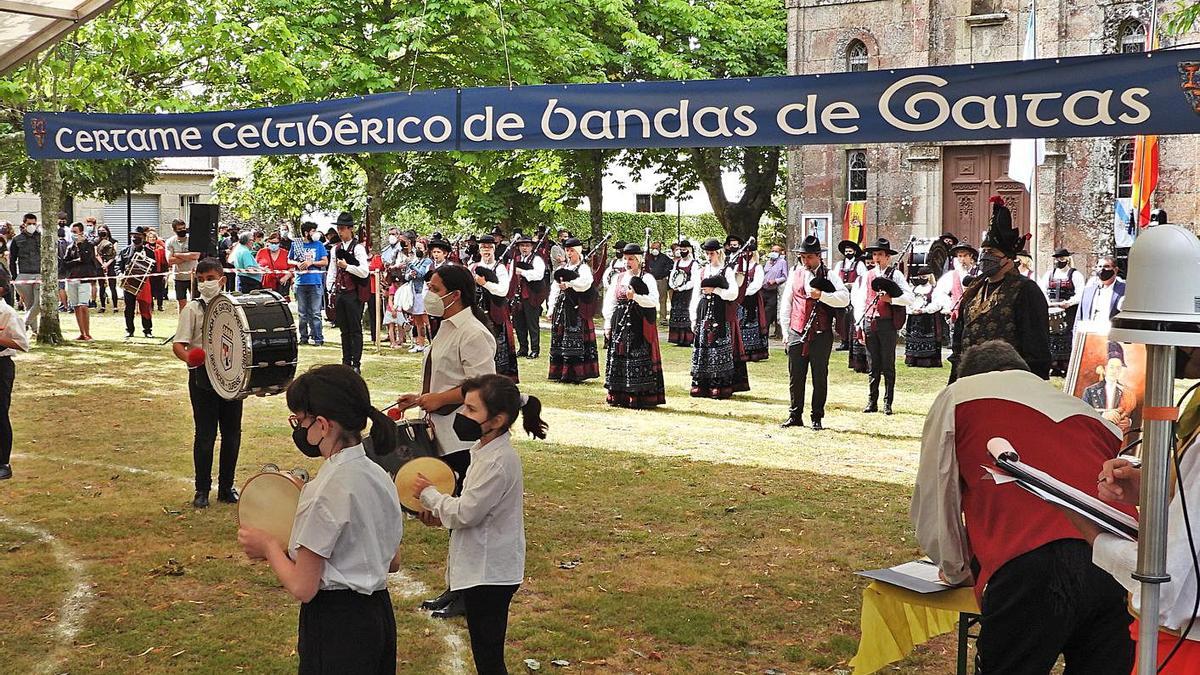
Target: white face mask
x,y
773,255
392,240
655,251
435,305
314,236
209,289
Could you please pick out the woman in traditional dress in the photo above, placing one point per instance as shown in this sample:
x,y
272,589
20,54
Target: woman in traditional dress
x,y
573,354
633,369
753,316
923,331
493,280
683,285
718,342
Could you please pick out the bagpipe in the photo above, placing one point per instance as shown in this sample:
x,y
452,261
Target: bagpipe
x,y
820,282
883,283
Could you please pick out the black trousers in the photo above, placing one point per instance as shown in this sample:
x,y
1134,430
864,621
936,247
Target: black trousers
x,y
132,304
348,318
106,286
371,302
525,323
820,345
487,623
1050,601
8,373
881,359
211,413
347,632
771,307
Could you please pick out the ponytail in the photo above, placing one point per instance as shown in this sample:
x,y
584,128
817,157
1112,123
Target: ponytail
x,y
383,432
338,393
531,417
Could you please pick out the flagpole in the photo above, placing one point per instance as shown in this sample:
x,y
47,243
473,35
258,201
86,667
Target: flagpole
x,y
1033,193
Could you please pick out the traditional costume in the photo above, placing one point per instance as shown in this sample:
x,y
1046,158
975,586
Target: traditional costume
x,y
633,368
923,330
683,285
493,299
752,315
880,298
1063,287
1012,309
717,348
848,270
573,354
530,291
808,323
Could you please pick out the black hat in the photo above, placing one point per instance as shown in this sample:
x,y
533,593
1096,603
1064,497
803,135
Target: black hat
x,y
684,243
345,219
572,242
950,236
1062,253
487,239
620,245
712,244
852,244
1116,351
734,237
964,246
1001,234
496,231
811,244
438,243
881,244
631,249
523,239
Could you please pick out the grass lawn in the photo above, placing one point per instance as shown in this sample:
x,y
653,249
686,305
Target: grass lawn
x,y
697,537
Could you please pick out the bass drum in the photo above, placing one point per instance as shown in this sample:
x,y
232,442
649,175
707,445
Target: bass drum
x,y
249,344
1058,321
918,259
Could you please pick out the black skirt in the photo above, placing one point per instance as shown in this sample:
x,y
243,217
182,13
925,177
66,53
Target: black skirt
x,y
347,632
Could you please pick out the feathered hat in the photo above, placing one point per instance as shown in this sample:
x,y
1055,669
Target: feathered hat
x,y
1001,234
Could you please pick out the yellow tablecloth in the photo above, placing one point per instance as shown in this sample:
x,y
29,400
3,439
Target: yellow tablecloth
x,y
894,620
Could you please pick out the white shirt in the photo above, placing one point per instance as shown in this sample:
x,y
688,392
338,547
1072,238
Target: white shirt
x,y
361,270
863,293
350,516
190,330
754,279
463,348
1077,281
649,300
487,522
728,294
1118,557
615,267
498,288
579,284
943,299
687,265
12,326
840,297
539,268
1102,303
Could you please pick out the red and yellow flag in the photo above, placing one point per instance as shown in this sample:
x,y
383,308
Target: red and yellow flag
x,y
1145,167
854,222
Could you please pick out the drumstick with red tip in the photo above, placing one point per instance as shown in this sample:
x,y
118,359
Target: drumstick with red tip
x,y
195,357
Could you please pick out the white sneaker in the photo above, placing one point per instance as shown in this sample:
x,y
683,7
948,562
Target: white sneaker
x,y
414,349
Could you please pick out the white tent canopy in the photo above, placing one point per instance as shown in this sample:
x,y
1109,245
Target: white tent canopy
x,y
28,26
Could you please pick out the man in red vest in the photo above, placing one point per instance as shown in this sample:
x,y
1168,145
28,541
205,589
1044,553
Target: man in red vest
x,y
1040,595
806,311
880,297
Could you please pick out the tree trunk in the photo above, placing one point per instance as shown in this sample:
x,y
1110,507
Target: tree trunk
x,y
376,182
760,171
595,193
49,330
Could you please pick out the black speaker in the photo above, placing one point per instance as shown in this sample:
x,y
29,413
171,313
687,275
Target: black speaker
x,y
202,229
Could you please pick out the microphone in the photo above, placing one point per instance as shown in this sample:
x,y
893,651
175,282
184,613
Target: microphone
x,y
195,357
1000,448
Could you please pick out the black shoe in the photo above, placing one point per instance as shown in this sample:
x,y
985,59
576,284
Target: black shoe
x,y
200,501
816,425
522,353
534,355
871,407
440,602
457,607
887,408
228,495
792,422
5,471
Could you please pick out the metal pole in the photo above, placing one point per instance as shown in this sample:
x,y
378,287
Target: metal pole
x,y
129,202
1156,483
678,217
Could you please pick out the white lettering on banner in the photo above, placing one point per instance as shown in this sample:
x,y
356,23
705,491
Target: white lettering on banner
x,y
137,140
507,123
370,131
315,123
81,138
720,114
551,110
248,136
839,110
265,134
1102,116
441,121
986,103
404,122
191,138
643,119
829,115
910,105
58,140
1031,113
742,114
216,135
470,123
680,113
345,130
604,117
1130,98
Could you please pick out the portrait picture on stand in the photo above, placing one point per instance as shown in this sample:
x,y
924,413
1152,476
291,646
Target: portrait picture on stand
x,y
1109,376
819,225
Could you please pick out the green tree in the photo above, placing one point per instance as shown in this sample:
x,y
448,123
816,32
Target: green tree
x,y
280,188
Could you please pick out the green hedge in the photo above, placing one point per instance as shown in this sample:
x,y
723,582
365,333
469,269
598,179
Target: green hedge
x,y
631,227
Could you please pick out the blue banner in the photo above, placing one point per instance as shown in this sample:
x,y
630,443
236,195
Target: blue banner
x,y
1111,95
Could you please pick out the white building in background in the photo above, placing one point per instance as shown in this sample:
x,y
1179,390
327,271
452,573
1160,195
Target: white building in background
x,y
624,193
181,182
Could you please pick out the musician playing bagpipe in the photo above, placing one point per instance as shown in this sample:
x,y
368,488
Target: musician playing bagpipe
x,y
849,269
573,297
633,371
683,281
493,282
1003,304
210,411
811,297
717,347
753,315
529,275
880,297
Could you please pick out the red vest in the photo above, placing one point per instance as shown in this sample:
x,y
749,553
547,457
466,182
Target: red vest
x,y
802,304
884,310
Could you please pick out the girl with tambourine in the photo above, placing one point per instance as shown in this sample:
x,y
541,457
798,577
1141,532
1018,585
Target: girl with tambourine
x,y
346,535
487,523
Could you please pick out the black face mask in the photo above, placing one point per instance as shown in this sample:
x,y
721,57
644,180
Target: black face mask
x,y
989,265
181,233
1060,264
1105,275
466,428
300,438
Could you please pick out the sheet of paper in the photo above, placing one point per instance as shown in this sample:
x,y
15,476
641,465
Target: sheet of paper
x,y
921,569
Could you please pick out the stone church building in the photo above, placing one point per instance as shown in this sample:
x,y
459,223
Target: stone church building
x,y
923,190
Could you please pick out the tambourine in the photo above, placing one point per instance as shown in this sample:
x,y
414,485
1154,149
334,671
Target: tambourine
x,y
438,472
269,500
